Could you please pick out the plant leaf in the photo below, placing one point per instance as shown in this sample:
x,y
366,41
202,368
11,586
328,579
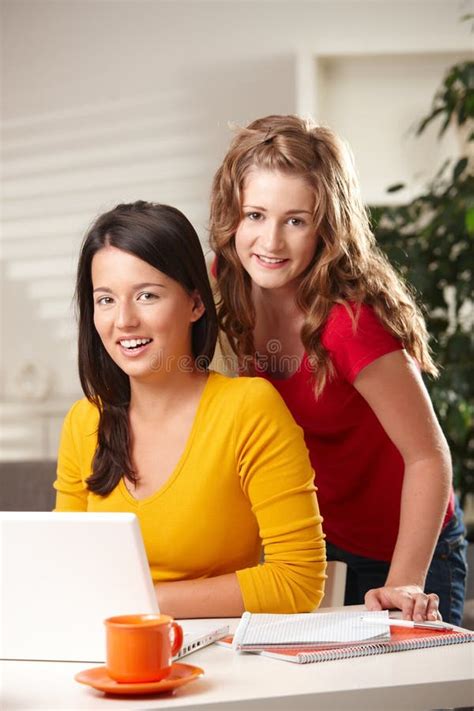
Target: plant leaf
x,y
395,188
459,168
470,220
445,124
428,119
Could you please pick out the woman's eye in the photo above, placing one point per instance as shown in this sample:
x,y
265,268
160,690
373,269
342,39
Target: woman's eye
x,y
254,215
104,301
295,221
147,296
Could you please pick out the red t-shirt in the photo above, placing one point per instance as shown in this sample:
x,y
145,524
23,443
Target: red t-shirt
x,y
359,471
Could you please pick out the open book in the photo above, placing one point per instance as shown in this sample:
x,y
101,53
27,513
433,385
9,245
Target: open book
x,y
318,637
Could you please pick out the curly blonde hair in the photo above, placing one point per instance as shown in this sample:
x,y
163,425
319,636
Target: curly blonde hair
x,y
347,268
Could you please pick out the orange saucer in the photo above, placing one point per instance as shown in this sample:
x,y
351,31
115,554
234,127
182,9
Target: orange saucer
x,y
99,679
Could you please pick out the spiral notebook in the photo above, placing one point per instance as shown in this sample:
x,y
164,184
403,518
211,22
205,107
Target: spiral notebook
x,y
322,628
334,636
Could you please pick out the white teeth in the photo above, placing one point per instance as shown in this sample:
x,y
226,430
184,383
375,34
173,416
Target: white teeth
x,y
270,260
134,342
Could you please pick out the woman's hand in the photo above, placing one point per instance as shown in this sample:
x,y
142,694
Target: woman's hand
x,y
410,599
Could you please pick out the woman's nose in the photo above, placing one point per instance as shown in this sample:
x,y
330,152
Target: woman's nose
x,y
127,316
272,237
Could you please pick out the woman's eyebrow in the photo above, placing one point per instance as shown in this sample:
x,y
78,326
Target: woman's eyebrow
x,y
288,212
142,285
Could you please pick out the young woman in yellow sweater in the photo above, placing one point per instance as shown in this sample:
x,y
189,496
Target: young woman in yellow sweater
x,y
213,467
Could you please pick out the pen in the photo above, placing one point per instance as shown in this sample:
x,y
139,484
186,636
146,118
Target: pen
x,y
440,626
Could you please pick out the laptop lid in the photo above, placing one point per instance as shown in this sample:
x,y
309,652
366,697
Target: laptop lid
x,y
61,575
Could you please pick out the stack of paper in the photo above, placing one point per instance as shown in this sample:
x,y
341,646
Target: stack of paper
x,y
311,629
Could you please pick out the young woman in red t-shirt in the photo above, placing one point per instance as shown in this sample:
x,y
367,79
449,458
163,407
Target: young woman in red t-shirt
x,y
308,301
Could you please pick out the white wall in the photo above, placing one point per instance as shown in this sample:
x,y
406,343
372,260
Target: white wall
x,y
107,101
376,101
67,53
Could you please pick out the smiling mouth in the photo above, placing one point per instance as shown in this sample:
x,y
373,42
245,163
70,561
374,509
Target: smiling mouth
x,y
134,344
270,260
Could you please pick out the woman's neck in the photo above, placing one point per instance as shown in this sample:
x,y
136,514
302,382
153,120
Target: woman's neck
x,y
276,304
151,400
277,331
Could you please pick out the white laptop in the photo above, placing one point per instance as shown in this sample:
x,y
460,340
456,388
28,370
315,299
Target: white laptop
x,y
62,574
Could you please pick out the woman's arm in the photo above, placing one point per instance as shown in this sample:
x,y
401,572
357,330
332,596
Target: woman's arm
x,y
71,492
394,389
208,597
273,469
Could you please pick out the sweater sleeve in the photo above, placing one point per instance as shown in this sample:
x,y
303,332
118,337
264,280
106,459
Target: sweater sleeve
x,y
70,485
277,478
354,340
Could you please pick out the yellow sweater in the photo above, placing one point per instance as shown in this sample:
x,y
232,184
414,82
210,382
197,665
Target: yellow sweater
x,y
243,479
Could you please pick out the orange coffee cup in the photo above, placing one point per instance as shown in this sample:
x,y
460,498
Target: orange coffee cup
x,y
141,648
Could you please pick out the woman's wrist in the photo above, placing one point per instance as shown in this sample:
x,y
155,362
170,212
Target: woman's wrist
x,y
402,578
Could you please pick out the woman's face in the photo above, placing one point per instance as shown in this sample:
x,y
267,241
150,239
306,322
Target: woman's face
x,y
142,316
276,238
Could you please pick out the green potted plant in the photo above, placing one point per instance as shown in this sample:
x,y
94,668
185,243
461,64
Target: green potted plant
x,y
431,242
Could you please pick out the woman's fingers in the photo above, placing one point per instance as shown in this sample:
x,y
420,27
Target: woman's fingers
x,y
372,600
420,607
432,611
410,599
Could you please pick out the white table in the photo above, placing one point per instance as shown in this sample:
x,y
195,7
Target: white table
x,y
425,679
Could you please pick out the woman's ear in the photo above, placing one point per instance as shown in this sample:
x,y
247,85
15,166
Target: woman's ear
x,y
198,306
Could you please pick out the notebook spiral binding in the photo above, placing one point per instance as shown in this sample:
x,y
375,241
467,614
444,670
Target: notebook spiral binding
x,y
328,655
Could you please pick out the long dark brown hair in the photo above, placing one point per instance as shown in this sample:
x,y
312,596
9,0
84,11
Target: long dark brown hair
x,y
163,237
347,266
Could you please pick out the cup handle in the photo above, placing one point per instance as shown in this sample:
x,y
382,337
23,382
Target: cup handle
x,y
177,638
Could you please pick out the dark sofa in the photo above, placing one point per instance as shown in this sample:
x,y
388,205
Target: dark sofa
x,y
27,485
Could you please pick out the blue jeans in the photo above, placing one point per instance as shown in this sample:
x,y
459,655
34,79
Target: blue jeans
x,y
446,576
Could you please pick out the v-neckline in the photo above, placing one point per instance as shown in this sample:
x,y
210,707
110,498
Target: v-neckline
x,y
277,381
181,461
